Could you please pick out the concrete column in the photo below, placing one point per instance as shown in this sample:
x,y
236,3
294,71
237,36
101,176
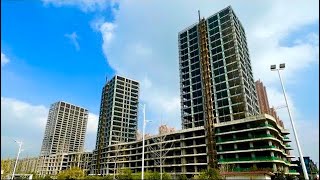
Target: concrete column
x,y
249,135
251,144
268,132
248,125
272,154
237,156
270,143
220,147
274,168
235,146
253,155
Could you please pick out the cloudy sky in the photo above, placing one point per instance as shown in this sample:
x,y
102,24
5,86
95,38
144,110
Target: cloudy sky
x,y
65,49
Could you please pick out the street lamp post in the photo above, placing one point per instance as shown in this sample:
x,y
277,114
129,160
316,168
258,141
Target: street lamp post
x,y
143,133
15,164
281,67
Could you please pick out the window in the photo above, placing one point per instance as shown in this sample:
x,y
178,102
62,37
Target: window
x,y
213,18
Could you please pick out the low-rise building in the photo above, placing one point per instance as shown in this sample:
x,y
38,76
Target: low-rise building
x,y
54,163
312,169
253,143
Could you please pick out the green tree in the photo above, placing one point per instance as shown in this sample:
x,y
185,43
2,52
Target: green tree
x,y
125,173
149,175
210,174
6,168
182,177
71,174
166,176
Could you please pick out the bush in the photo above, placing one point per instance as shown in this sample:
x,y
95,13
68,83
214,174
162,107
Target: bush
x,y
72,173
182,177
166,176
125,173
149,175
209,174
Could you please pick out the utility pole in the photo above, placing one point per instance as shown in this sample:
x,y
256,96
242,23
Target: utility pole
x,y
15,164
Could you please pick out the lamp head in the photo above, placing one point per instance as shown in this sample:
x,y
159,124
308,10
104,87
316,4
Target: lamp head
x,y
273,67
282,65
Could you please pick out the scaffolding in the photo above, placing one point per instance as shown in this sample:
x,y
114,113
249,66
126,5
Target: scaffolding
x,y
207,98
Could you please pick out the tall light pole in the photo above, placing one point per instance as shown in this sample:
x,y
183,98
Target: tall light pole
x,y
281,67
15,164
143,132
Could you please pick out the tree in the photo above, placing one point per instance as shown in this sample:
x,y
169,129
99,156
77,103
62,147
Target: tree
x,y
182,177
158,152
125,173
6,167
72,173
149,175
209,174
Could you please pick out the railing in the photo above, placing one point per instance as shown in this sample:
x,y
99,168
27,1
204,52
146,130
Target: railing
x,y
232,149
242,138
237,129
250,159
292,171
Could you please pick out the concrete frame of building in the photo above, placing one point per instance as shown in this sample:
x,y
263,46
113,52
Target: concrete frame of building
x,y
65,129
254,142
233,89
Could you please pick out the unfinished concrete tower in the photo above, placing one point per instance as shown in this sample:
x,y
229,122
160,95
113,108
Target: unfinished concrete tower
x,y
118,115
65,130
232,84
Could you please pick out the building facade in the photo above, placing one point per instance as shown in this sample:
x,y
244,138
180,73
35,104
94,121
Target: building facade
x,y
118,114
233,89
65,130
256,142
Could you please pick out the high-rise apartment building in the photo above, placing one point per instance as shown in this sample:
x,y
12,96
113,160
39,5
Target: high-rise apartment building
x,y
118,117
118,111
65,130
233,89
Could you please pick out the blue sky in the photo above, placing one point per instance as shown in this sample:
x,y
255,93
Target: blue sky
x,y
63,50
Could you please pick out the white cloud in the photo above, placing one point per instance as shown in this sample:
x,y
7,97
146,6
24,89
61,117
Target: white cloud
x,y
92,125
74,39
24,121
145,46
4,59
84,5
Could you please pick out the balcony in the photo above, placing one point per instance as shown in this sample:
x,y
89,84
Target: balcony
x,y
244,138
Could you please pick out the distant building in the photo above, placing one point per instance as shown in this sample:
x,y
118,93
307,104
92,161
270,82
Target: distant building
x,y
264,102
65,130
53,164
262,97
163,129
64,135
311,167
